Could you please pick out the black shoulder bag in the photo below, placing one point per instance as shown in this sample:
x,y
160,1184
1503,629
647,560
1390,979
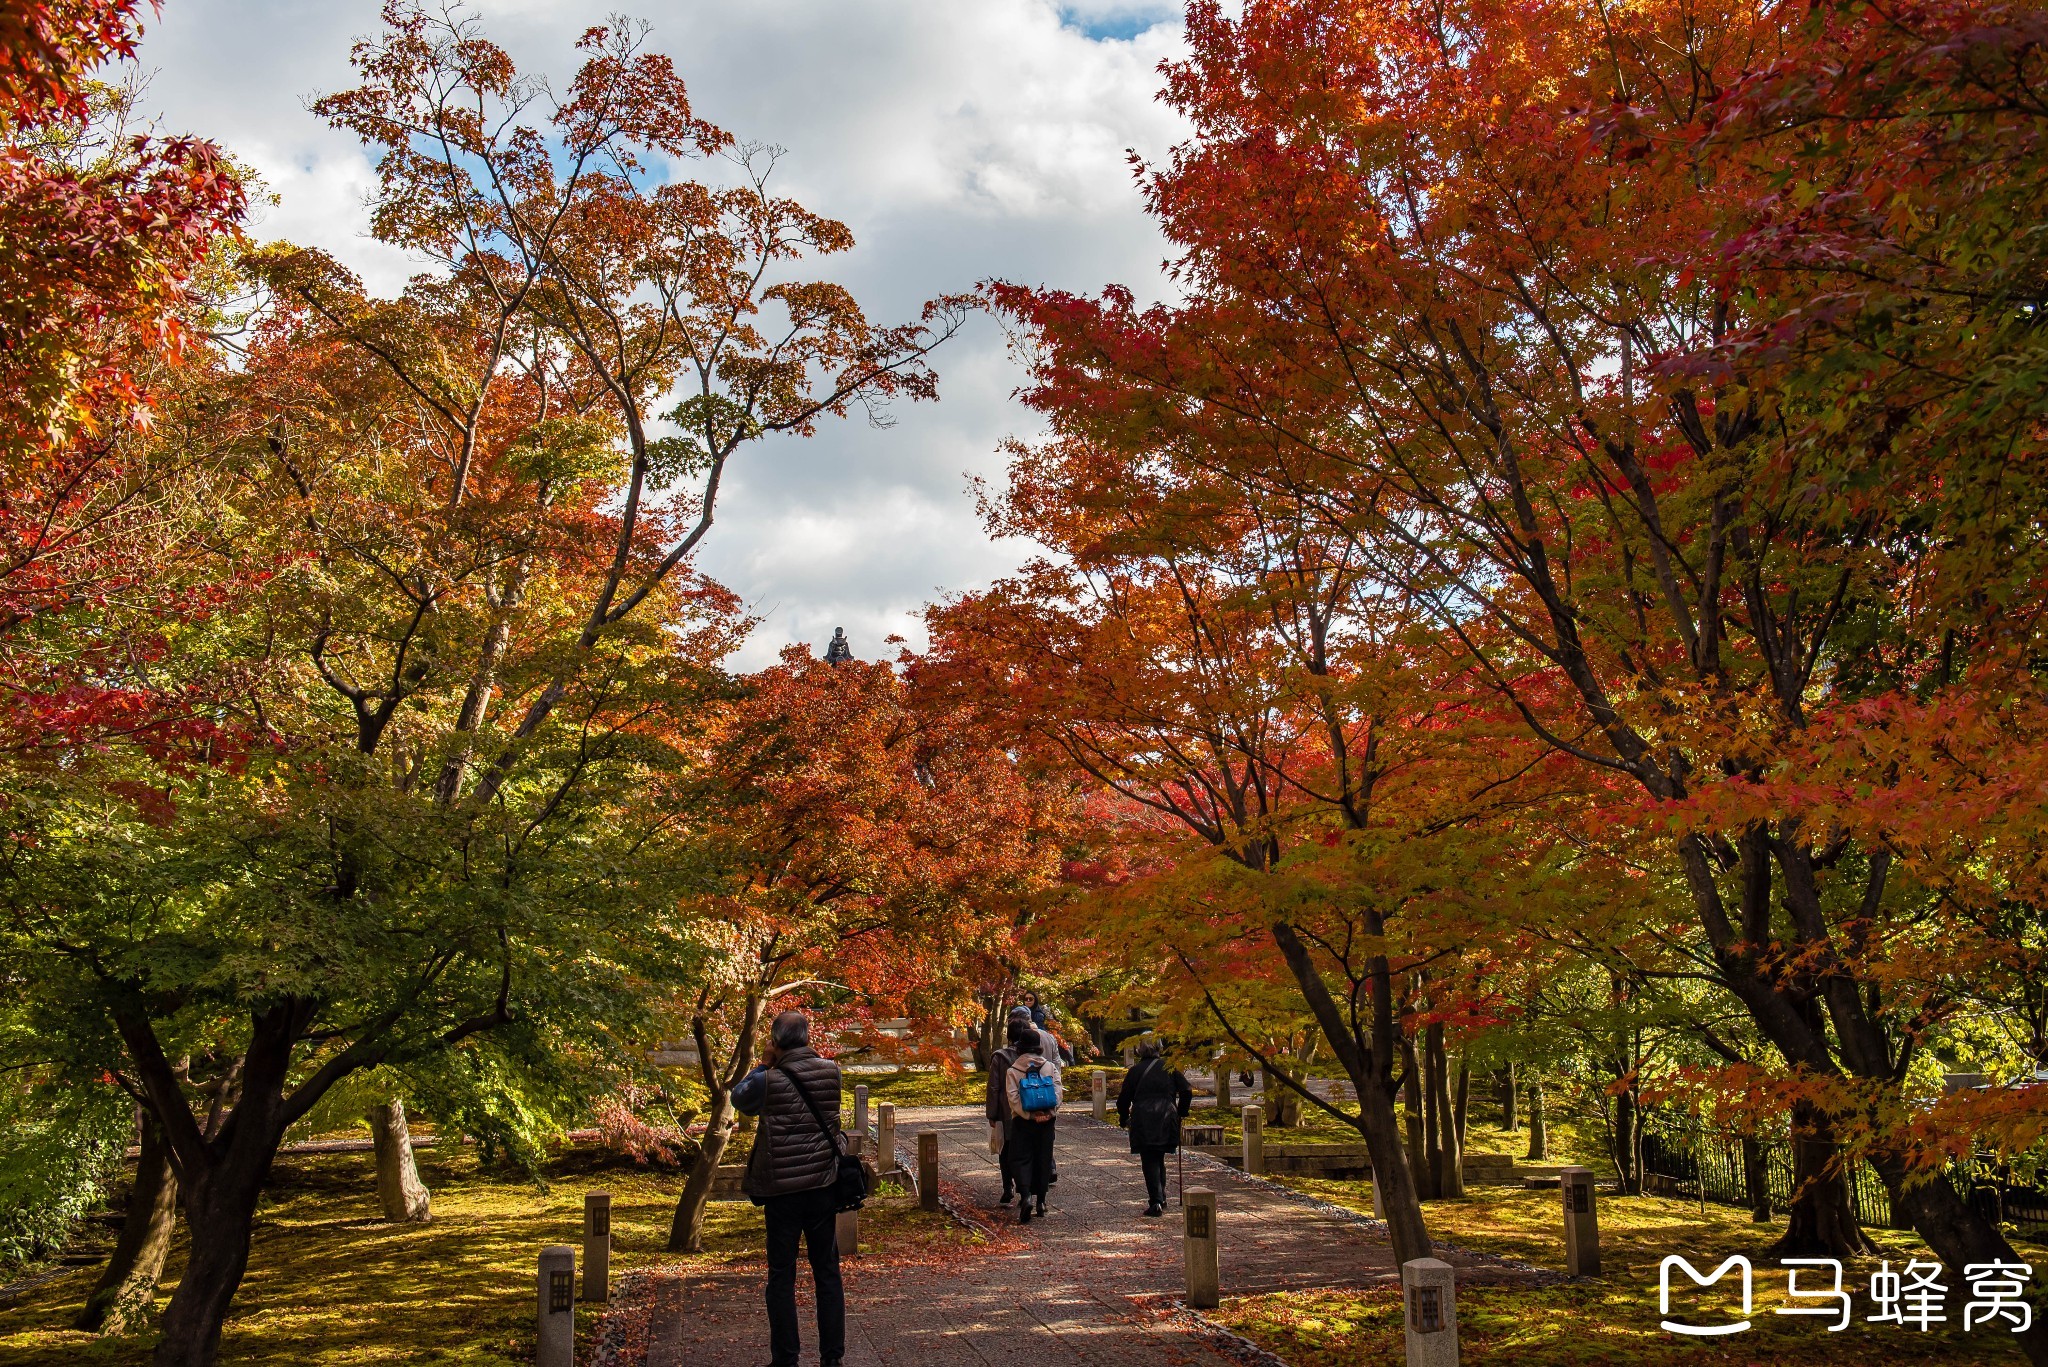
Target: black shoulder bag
x,y
850,1191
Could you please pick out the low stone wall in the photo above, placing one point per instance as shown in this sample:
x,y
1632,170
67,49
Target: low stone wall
x,y
1352,1161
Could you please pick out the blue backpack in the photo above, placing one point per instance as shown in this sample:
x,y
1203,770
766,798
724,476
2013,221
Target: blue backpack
x,y
1036,1092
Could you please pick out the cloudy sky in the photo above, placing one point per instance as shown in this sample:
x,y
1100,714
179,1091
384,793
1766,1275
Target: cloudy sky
x,y
959,139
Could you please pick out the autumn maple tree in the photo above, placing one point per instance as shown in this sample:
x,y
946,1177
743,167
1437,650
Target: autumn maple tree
x,y
1310,760
451,636
857,837
1495,291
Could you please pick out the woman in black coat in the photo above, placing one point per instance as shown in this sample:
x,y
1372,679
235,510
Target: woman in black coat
x,y
1152,1102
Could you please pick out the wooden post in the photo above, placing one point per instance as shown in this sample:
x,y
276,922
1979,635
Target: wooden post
x,y
1430,1292
1222,1087
1099,1093
849,1233
885,1139
1255,1140
1581,1222
597,1245
1379,1205
928,1170
1204,1272
555,1342
860,1108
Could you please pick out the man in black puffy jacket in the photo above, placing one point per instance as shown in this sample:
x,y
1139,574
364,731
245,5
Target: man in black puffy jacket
x,y
791,1174
1152,1103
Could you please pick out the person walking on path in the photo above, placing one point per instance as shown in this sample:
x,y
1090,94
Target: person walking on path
x,y
791,1174
1032,1111
1151,1104
997,1104
1056,1048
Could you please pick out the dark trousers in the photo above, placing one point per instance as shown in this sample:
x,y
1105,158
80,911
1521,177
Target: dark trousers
x,y
1032,1140
1006,1161
1154,1163
1013,1153
813,1217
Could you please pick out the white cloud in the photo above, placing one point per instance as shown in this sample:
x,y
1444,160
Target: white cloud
x,y
960,139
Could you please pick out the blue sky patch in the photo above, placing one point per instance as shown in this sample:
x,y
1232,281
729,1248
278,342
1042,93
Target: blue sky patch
x,y
1102,22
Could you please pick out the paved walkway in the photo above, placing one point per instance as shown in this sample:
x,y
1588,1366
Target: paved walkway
x,y
1090,1286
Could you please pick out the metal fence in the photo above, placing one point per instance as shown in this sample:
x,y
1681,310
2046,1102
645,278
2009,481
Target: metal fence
x,y
1707,1165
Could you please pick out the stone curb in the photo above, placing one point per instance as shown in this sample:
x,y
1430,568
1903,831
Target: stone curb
x,y
1227,1341
615,1330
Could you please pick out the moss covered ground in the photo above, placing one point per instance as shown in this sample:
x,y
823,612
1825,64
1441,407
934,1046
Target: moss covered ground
x,y
332,1283
927,1086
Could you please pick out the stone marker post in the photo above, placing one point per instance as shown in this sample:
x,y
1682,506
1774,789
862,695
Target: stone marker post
x,y
556,1346
1431,1292
885,1139
928,1169
1222,1087
1255,1140
1581,1222
1099,1093
849,1234
1203,1268
597,1245
860,1109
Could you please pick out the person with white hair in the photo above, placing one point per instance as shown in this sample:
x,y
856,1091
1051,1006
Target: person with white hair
x,y
791,1175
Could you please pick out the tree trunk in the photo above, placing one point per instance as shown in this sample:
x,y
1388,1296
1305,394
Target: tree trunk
x,y
1626,1144
399,1189
1821,1221
1508,1120
1283,1104
125,1297
1958,1235
220,1208
1436,1106
1756,1181
221,1170
1454,1150
1413,1103
1451,1124
1367,1057
1539,1134
686,1230
985,1037
1400,1203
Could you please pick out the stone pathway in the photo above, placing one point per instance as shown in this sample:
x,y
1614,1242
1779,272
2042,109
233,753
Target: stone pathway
x,y
1091,1286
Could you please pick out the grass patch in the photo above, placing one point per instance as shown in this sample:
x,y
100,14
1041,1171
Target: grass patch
x,y
331,1282
1636,1232
919,1087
